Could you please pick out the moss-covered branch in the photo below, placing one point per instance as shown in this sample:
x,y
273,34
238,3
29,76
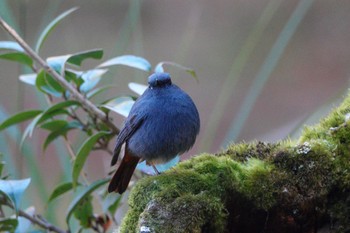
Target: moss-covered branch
x,y
290,186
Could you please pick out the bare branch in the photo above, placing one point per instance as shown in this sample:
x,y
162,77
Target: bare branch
x,y
89,106
40,221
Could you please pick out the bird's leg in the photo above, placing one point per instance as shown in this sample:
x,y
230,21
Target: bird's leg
x,y
155,169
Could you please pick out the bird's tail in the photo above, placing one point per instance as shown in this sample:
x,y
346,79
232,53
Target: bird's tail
x,y
122,176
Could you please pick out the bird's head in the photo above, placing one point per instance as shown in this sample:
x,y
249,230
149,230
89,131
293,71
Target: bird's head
x,y
159,80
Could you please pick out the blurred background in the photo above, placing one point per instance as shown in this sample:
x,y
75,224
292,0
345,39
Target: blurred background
x,y
265,67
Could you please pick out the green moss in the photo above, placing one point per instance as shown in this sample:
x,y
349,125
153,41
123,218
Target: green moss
x,y
202,186
129,224
189,179
187,213
257,184
287,185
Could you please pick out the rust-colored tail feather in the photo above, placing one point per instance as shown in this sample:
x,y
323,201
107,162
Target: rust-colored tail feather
x,y
122,176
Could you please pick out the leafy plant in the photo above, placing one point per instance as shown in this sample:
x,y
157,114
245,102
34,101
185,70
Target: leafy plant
x,y
69,90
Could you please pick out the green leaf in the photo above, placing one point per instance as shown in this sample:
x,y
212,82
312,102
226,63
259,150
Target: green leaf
x,y
60,189
54,125
98,90
83,153
129,60
51,26
159,68
45,83
54,110
54,84
2,165
83,194
28,78
111,202
14,190
11,45
30,128
8,224
84,211
73,75
91,78
62,105
137,88
19,117
58,63
121,105
78,58
18,57
61,132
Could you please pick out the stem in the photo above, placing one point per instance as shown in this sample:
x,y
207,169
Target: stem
x,y
89,106
69,148
1,212
40,221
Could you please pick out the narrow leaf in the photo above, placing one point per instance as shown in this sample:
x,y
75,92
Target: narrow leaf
x,y
60,189
61,105
19,117
51,26
91,78
30,128
28,78
83,153
98,90
84,211
159,68
11,45
138,88
129,60
121,105
54,110
83,194
78,58
61,132
58,63
8,224
14,189
43,85
2,165
54,84
73,75
54,125
50,112
18,57
111,202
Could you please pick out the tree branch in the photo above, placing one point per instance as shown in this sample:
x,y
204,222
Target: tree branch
x,y
89,106
38,220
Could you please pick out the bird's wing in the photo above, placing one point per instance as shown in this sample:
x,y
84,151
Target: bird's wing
x,y
128,130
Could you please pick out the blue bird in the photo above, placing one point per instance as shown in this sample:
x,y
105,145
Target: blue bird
x,y
162,123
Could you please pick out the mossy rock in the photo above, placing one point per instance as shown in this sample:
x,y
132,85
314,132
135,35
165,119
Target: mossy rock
x,y
289,186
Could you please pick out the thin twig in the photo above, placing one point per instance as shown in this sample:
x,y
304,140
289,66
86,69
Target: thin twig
x,y
40,221
69,148
89,106
2,214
